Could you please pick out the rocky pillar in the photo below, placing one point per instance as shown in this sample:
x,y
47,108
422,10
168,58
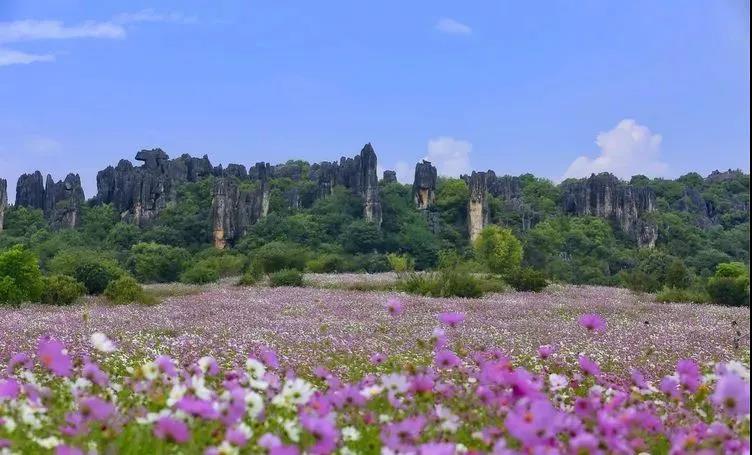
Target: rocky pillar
x,y
221,212
30,191
261,171
424,185
389,177
477,209
370,185
3,201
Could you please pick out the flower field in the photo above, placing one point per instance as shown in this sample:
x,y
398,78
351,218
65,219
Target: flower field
x,y
303,370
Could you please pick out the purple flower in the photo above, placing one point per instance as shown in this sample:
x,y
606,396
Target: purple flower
x,y
588,366
19,359
446,359
394,307
269,357
545,351
732,394
323,430
53,356
689,374
9,388
95,408
171,429
593,322
93,373
63,449
532,422
377,358
166,365
437,448
197,407
402,436
452,319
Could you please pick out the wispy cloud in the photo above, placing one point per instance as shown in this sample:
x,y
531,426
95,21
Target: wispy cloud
x,y
452,27
11,57
450,156
37,30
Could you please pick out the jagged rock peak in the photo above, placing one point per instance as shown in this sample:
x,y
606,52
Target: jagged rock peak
x,y
3,201
370,185
605,196
477,210
424,185
60,201
30,191
389,176
720,176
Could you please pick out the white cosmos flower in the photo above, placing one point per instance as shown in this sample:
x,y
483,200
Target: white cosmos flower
x,y
256,369
350,434
449,421
295,392
205,362
254,404
176,393
557,381
101,343
50,442
292,429
371,391
395,382
9,424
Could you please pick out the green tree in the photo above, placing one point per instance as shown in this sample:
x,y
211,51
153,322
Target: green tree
x,y
499,249
361,236
677,275
730,284
152,262
20,277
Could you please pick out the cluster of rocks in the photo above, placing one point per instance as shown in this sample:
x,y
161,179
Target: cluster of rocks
x,y
60,201
3,201
605,196
239,199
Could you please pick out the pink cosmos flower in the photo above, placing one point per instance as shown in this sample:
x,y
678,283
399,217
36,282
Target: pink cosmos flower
x,y
19,359
95,408
593,322
446,359
450,318
394,306
689,374
166,365
197,407
53,356
377,358
63,449
93,373
171,429
532,422
284,450
732,394
588,366
323,430
269,357
402,436
545,351
9,389
437,448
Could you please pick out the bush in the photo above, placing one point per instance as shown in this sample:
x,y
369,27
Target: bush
x,y
498,249
729,285
327,263
639,281
276,256
20,277
61,290
94,276
527,279
126,290
201,272
361,236
400,262
286,277
249,278
447,283
153,262
672,295
677,275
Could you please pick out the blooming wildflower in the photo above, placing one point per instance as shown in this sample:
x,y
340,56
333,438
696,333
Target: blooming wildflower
x,y
377,358
54,357
402,436
557,382
63,449
172,429
95,408
689,374
670,386
437,448
238,435
588,366
197,407
732,394
545,351
294,392
292,429
395,382
449,421
350,434
323,430
446,359
101,343
93,373
254,403
19,359
166,365
531,422
394,307
208,365
593,322
9,389
452,319
269,357
371,391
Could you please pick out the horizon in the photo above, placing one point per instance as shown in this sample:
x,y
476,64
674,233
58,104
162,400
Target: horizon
x,y
475,87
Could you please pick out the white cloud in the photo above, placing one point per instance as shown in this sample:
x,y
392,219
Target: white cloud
x,y
28,30
628,149
149,15
450,156
11,57
43,146
452,27
405,172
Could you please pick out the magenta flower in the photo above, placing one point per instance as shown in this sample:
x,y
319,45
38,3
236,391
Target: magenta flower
x,y
394,307
19,359
593,322
95,408
732,394
9,389
452,319
437,448
532,422
197,407
689,374
545,351
284,450
171,429
377,358
402,436
588,366
53,356
166,365
269,357
93,373
446,359
323,430
63,449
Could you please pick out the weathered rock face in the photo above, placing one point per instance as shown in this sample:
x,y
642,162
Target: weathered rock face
x,y
60,201
63,200
477,209
30,191
389,177
605,196
3,201
140,193
237,204
424,185
369,185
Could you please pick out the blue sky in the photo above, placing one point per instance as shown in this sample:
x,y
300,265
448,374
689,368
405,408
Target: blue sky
x,y
556,88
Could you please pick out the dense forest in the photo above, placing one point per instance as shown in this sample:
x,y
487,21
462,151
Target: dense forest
x,y
206,222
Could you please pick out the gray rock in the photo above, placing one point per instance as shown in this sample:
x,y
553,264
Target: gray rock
x,y
3,201
30,191
235,208
63,200
424,185
477,209
237,171
389,176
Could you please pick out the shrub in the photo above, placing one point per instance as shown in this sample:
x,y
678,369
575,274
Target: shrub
x,y
527,279
671,295
729,285
327,263
400,262
153,262
276,256
447,283
639,281
498,249
286,277
61,290
94,276
126,290
201,272
361,236
20,277
249,278
677,275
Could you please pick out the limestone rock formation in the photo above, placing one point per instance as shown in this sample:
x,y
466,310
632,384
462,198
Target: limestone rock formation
x,y
424,185
369,187
238,204
60,201
140,193
3,201
605,196
477,209
389,177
